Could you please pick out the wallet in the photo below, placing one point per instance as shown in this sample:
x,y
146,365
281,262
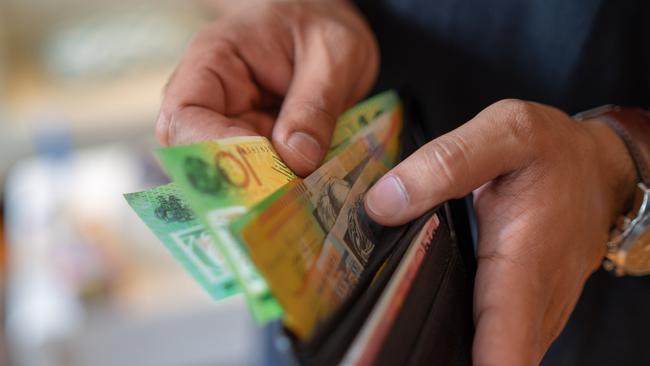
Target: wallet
x,y
413,302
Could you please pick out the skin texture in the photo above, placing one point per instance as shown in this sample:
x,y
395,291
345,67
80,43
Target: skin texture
x,y
284,70
547,188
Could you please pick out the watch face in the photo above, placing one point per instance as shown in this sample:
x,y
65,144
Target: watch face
x,y
637,252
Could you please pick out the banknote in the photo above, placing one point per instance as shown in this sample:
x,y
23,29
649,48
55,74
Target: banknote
x,y
285,235
386,129
285,232
359,117
366,346
166,213
350,242
328,186
221,180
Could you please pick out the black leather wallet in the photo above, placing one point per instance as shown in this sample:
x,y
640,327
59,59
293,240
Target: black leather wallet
x,y
433,323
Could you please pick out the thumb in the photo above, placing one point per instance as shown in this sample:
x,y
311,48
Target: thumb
x,y
490,145
307,119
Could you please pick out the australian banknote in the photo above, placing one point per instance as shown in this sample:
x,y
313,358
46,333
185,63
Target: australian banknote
x,y
166,213
284,233
224,179
359,117
309,239
221,180
350,241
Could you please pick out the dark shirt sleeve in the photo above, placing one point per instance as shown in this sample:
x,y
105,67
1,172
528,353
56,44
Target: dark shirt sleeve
x,y
459,56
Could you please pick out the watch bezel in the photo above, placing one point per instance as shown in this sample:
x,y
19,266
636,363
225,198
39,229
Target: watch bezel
x,y
627,235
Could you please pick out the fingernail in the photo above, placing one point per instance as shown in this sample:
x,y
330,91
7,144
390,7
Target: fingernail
x,y
388,197
306,147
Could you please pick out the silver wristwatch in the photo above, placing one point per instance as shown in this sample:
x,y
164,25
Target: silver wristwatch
x,y
628,249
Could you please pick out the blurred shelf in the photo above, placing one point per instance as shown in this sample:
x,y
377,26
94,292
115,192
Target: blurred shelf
x,y
91,113
95,70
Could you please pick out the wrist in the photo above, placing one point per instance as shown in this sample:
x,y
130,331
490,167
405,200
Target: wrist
x,y
616,167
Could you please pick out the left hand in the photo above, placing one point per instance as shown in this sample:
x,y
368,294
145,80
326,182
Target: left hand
x,y
275,68
547,190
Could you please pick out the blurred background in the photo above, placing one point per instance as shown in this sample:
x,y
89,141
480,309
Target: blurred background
x,y
82,280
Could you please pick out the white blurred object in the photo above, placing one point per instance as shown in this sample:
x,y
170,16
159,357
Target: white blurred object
x,y
106,45
88,283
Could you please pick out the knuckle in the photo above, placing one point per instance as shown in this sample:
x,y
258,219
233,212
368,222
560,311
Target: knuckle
x,y
338,32
203,60
523,122
521,118
513,105
315,107
448,158
215,53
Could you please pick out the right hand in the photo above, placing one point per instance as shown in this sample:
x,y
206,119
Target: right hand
x,y
284,70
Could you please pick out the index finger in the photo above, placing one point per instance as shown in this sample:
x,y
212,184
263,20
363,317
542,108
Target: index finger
x,y
222,87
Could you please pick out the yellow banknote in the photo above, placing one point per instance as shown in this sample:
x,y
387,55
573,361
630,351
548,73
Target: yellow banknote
x,y
285,235
350,242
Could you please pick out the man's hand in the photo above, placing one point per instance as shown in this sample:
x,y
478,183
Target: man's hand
x,y
284,70
547,190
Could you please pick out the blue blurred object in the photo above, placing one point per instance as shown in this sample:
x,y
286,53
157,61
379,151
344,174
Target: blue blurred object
x,y
53,140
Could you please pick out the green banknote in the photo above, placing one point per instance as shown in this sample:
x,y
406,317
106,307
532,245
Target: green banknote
x,y
221,180
166,213
351,122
